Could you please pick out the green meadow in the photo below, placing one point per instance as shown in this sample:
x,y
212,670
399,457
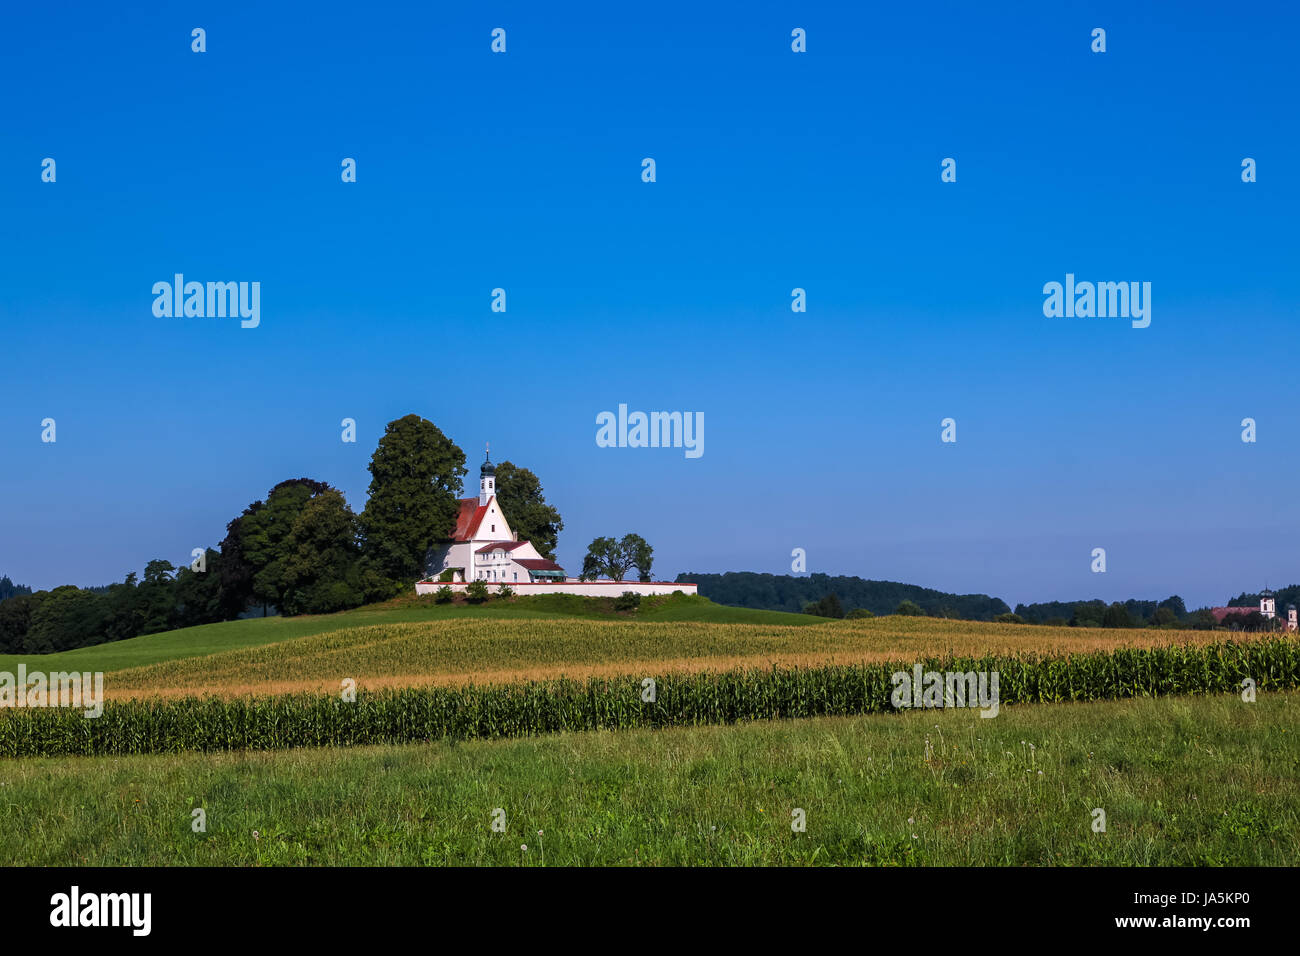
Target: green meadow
x,y
1202,781
257,632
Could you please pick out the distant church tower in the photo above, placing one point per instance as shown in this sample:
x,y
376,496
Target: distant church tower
x,y
487,480
1267,604
1291,623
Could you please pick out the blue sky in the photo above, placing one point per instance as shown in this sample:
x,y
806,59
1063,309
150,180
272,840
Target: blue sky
x,y
775,170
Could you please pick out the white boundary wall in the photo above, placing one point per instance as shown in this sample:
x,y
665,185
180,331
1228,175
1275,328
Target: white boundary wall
x,y
584,588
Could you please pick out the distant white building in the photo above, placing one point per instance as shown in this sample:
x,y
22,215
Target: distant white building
x,y
1267,609
483,548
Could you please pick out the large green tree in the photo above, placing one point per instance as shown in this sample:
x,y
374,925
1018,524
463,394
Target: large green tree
x,y
640,553
519,492
828,606
235,573
16,620
157,597
321,565
416,474
1116,616
69,617
255,548
614,558
199,596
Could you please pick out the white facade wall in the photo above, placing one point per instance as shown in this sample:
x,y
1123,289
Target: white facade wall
x,y
449,556
493,527
584,588
493,566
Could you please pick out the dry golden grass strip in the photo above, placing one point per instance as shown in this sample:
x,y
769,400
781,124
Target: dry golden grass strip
x,y
481,651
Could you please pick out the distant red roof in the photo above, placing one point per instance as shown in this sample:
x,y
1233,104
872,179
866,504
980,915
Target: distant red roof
x,y
500,546
1221,612
538,564
467,522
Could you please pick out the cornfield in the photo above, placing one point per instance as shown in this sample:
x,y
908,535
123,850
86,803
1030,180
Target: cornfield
x,y
480,651
149,726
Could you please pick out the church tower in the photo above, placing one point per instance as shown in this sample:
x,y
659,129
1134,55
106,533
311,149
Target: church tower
x,y
1267,604
487,480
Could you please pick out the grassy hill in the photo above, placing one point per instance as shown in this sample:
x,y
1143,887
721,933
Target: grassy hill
x,y
457,649
257,632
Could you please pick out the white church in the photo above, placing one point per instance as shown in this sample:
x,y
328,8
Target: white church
x,y
1267,609
483,548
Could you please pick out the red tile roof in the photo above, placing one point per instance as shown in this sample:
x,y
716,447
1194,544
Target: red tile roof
x,y
538,564
467,522
1221,612
500,546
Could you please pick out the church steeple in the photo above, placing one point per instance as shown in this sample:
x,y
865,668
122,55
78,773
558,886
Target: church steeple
x,y
1267,603
487,480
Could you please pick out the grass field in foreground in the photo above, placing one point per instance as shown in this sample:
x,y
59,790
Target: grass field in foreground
x,y
256,632
1183,781
484,650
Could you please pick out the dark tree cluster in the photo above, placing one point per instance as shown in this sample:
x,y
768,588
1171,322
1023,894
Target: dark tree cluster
x,y
68,617
300,550
613,559
1171,612
829,606
8,589
786,592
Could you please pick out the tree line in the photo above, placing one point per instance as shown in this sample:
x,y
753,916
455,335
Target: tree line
x,y
787,592
8,589
850,597
300,550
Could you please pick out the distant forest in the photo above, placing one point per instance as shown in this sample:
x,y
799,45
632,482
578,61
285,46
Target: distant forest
x,y
1097,613
301,550
1284,596
843,596
786,592
8,589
